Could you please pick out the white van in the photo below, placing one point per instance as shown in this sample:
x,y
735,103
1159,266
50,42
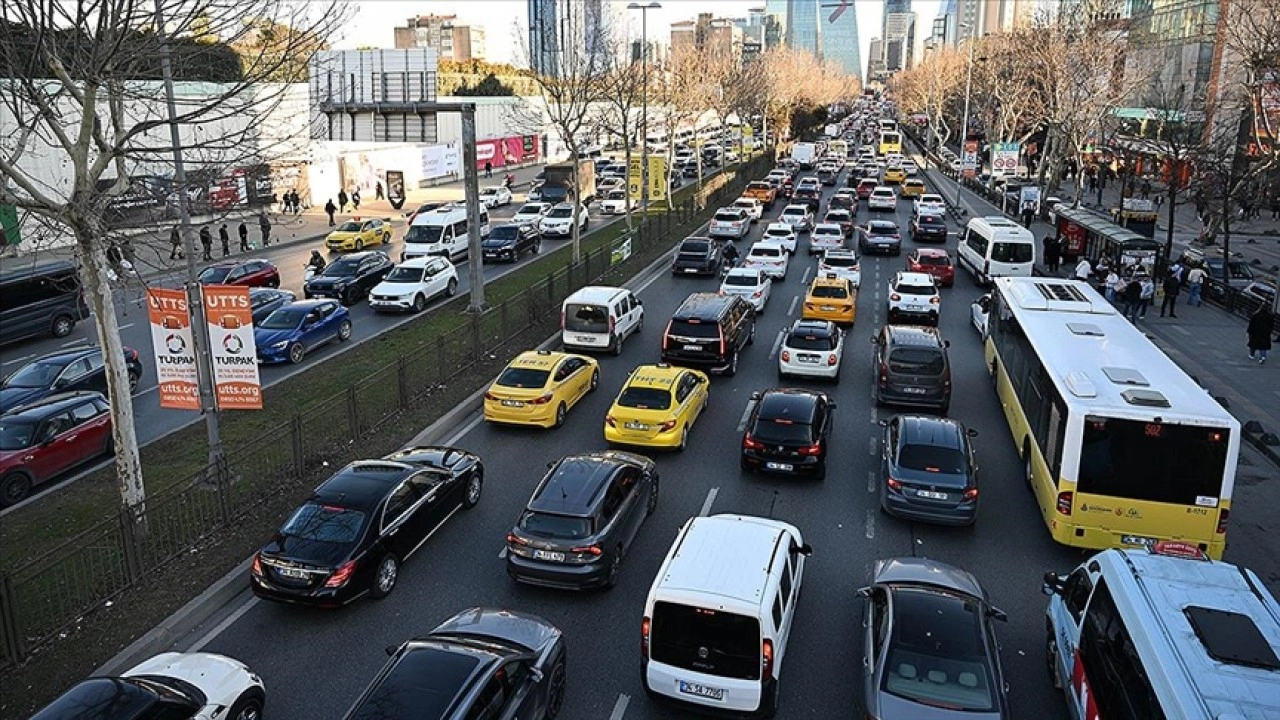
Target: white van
x,y
443,232
719,614
997,247
1163,632
600,318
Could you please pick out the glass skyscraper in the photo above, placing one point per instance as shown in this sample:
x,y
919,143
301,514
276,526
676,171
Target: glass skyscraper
x,y
891,7
804,32
840,36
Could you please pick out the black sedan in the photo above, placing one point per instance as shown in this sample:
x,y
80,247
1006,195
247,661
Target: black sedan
x,y
928,227
508,242
350,537
788,432
929,473
349,278
481,663
930,650
265,301
581,520
64,371
697,256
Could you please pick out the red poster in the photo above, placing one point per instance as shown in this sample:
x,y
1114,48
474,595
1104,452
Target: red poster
x,y
506,151
1073,238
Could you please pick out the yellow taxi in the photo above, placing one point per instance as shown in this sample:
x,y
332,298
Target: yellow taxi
x,y
539,387
913,188
657,406
894,175
831,297
356,234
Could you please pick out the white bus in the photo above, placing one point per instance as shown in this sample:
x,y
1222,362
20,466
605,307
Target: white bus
x,y
996,247
1119,445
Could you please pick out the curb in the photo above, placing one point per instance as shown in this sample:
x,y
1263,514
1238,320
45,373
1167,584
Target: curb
x,y
1267,443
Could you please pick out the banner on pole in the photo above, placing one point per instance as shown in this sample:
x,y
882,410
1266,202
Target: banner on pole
x,y
171,341
657,177
229,316
969,159
635,178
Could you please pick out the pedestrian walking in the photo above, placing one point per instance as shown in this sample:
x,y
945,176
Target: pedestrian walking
x,y
1146,189
1200,208
1131,296
1275,205
1147,295
1261,327
488,169
330,209
1052,253
114,258
355,199
175,244
225,238
1112,286
377,191
1084,270
1159,201
244,237
206,243
342,201
288,201
265,226
1195,285
1172,286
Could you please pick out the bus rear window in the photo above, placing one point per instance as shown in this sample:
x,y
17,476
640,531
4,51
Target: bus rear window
x,y
1159,462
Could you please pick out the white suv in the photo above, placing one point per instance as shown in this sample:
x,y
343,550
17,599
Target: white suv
x,y
782,234
413,283
883,198
841,263
730,222
559,221
913,297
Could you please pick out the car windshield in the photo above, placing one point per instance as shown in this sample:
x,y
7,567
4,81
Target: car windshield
x,y
765,252
616,195
783,432
727,216
689,329
798,341
283,319
16,434
530,210
778,232
936,654
259,300
941,260
504,233
841,261
35,375
519,377
489,191
883,230
348,227
697,248
424,234
325,523
1011,252
564,527
342,267
742,280
214,275
404,274
916,361
704,640
932,459
645,398
561,212
830,291
930,220
833,231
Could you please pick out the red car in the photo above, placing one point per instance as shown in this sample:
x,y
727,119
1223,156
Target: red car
x,y
254,272
865,186
934,261
42,440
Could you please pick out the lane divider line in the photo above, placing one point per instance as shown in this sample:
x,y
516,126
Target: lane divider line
x,y
871,524
620,707
742,421
777,343
791,309
227,622
706,504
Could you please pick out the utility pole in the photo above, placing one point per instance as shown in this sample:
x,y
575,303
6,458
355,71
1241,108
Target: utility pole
x,y
644,9
471,185
964,122
199,328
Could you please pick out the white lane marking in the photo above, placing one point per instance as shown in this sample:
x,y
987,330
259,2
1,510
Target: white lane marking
x,y
620,707
226,623
17,360
871,481
706,504
502,554
804,279
777,343
791,309
73,343
126,326
462,431
874,420
872,443
742,421
871,524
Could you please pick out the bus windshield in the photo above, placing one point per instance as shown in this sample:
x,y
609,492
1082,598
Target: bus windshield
x,y
1160,462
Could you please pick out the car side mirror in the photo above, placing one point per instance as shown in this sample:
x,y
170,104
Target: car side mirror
x,y
60,383
1052,584
875,340
946,343
551,464
391,649
971,432
884,422
755,395
805,550
831,405
863,592
996,613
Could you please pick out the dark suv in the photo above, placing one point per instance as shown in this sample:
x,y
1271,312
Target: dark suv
x,y
912,368
697,256
581,520
508,242
709,331
928,227
788,432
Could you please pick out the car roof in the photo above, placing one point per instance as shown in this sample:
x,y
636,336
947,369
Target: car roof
x,y
913,182
56,267
423,260
932,196
101,697
930,430
842,211
882,224
791,404
920,571
427,677
660,375
703,306
778,226
575,485
362,484
596,294
914,278
720,555
914,335
539,359
816,328
839,252
307,304
39,409
932,252
801,208
768,245
357,256
66,356
833,279
882,189
833,227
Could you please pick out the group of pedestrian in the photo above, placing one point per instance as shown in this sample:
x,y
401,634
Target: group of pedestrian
x,y
343,200
292,203
224,239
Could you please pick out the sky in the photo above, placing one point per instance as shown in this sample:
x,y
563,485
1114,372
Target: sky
x,y
374,19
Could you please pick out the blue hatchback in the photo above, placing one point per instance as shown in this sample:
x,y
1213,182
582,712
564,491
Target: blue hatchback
x,y
288,334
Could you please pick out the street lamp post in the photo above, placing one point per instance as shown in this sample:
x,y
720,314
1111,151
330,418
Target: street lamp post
x,y
964,121
644,9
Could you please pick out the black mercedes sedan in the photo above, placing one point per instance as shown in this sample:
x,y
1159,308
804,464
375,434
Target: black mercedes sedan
x,y
349,278
788,432
481,663
351,536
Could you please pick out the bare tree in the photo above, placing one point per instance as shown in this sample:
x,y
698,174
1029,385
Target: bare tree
x,y
677,91
622,94
931,88
80,87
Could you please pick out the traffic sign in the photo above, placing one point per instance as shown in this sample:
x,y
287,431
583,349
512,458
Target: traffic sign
x,y
1004,157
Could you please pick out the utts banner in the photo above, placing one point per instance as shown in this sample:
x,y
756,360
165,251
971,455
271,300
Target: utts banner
x,y
171,340
234,356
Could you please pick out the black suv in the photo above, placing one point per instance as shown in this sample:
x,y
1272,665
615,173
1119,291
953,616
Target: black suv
x,y
697,256
509,242
581,520
709,331
349,278
788,432
912,368
928,227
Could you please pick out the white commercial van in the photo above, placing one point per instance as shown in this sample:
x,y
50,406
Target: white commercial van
x,y
996,247
1164,633
442,232
600,318
719,614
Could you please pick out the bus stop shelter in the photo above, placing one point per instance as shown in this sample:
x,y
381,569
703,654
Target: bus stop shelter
x,y
1087,234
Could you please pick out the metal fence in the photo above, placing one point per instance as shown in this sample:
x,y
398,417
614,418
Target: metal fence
x,y
56,590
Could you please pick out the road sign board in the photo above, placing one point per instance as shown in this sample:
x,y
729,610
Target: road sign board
x,y
1004,157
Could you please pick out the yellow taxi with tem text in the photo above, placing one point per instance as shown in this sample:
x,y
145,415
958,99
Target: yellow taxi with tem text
x,y
539,387
356,234
831,297
657,406
894,175
913,188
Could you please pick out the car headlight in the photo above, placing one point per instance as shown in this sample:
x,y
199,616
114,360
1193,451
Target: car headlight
x,y
280,345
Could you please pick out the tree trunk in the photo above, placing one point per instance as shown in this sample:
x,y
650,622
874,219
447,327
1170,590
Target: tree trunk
x,y
577,206
626,149
94,275
1173,206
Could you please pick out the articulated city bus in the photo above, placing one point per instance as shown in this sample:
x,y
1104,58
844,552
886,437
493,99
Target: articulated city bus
x,y
1119,445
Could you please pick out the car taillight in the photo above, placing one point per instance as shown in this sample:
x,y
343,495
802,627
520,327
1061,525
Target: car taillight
x,y
644,636
664,336
884,373
513,539
895,297
668,425
611,324
946,380
815,449
750,443
587,550
808,306
257,565
543,400
846,308
757,294
341,575
832,359
786,356
893,483
766,660
1222,520
971,494
490,396
722,344
934,300
611,421
1064,502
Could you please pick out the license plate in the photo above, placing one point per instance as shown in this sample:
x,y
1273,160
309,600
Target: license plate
x,y
914,391
694,348
914,308
548,555
293,573
1137,540
931,495
779,466
584,338
703,691
636,426
807,358
513,403
827,308
691,270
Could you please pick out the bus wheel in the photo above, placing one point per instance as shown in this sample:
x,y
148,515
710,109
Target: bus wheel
x,y
1026,463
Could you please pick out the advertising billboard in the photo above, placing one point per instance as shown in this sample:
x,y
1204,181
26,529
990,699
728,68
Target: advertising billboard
x,y
171,340
501,152
233,355
658,181
635,178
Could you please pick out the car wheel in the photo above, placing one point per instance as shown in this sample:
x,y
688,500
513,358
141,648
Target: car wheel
x,y
273,283
359,244
384,579
248,706
615,345
133,382
475,486
751,338
452,288
347,298
684,439
595,381
344,331
15,487
62,326
561,410
615,568
296,353
555,692
835,379
1027,471
821,472
419,303
652,504
537,247
745,466
733,365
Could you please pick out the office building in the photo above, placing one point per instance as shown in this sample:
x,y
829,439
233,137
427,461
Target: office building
x,y
443,33
963,20
875,62
720,36
939,35
899,41
558,26
840,44
1174,40
804,32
